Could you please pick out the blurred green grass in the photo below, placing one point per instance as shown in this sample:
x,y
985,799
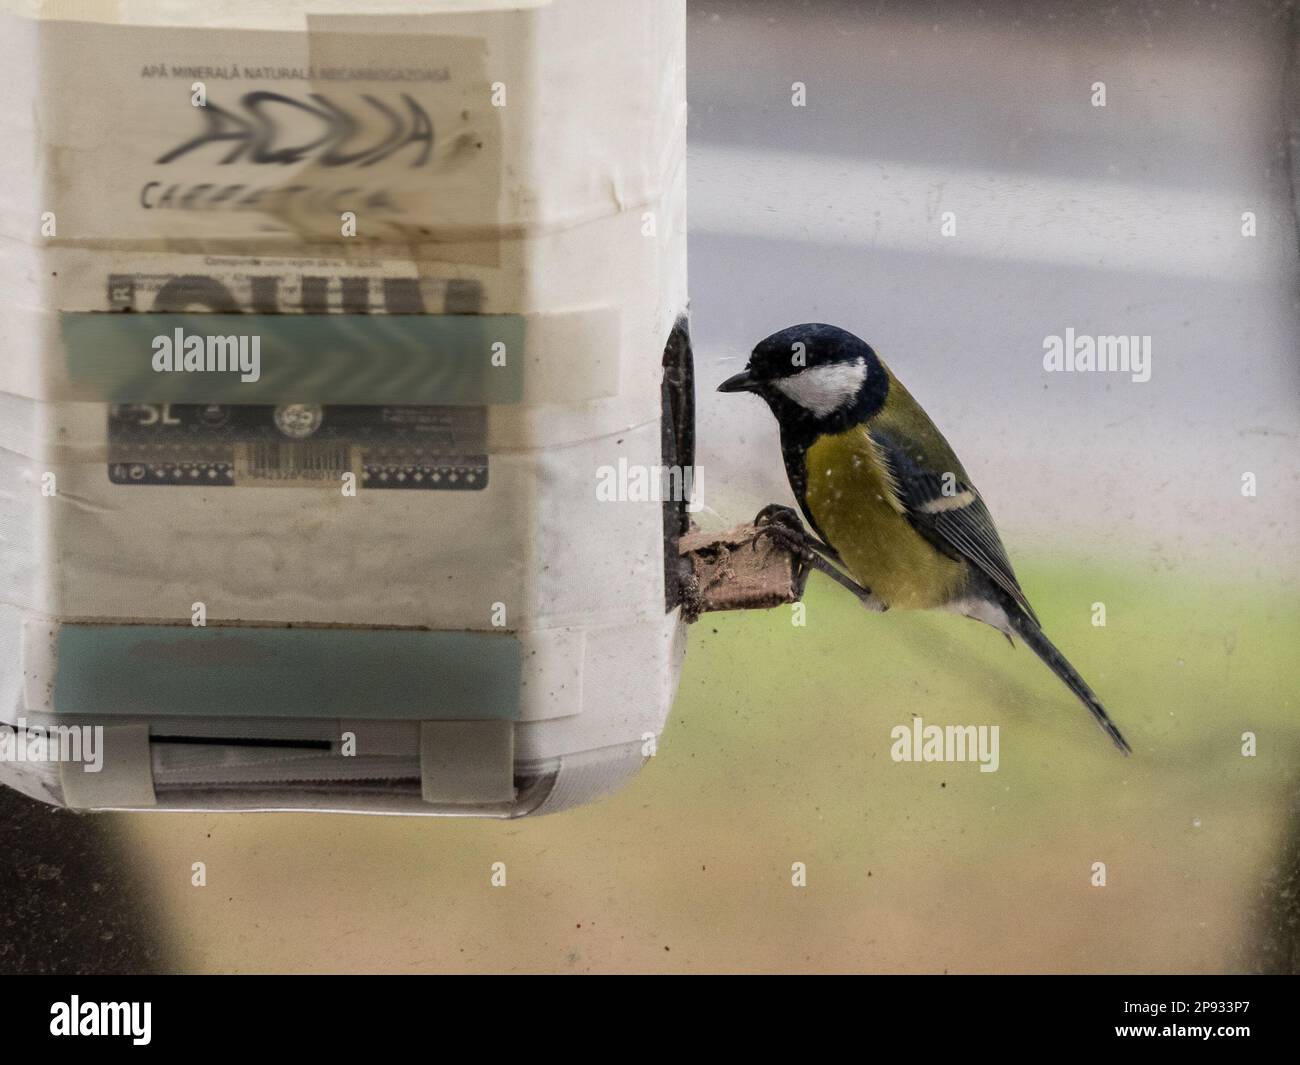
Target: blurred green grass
x,y
1184,669
778,751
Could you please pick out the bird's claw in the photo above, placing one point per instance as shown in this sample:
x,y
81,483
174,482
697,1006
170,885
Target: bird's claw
x,y
793,540
778,512
782,524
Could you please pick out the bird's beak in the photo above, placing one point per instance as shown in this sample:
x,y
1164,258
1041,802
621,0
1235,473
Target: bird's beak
x,y
741,382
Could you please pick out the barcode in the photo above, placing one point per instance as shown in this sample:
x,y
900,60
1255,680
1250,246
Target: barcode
x,y
260,446
314,460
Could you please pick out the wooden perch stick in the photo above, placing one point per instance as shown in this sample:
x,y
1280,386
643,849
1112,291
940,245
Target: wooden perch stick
x,y
738,570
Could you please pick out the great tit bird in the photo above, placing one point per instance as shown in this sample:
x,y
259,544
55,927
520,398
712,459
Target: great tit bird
x,y
896,518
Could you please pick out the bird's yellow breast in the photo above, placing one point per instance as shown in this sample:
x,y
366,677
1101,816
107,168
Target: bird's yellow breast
x,y
849,496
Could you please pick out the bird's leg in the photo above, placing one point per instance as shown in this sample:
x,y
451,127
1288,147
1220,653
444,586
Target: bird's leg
x,y
783,525
806,548
777,514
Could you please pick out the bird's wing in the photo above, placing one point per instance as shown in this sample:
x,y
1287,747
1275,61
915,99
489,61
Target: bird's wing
x,y
943,506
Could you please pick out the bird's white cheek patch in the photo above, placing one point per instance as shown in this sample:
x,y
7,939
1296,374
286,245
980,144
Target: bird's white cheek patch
x,y
824,389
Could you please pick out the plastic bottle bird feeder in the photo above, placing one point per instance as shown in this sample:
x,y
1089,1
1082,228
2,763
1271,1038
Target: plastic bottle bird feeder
x,y
366,570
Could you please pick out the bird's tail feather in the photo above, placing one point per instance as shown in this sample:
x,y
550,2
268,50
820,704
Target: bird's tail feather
x,y
1037,641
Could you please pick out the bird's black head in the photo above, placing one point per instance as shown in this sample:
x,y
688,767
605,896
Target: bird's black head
x,y
816,378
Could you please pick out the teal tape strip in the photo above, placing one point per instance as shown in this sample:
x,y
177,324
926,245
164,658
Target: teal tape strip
x,y
367,359
383,674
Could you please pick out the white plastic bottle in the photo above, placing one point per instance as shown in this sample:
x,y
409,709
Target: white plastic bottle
x,y
373,571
